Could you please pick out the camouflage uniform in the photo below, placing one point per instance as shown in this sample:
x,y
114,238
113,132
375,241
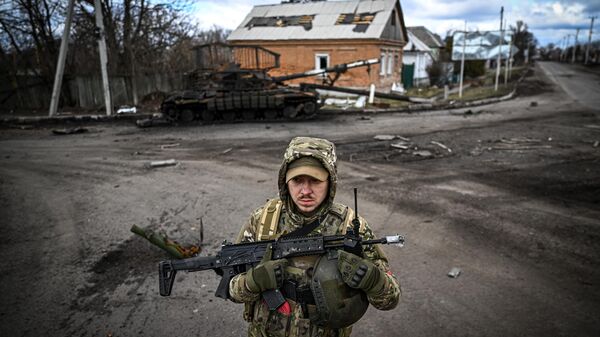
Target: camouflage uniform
x,y
275,323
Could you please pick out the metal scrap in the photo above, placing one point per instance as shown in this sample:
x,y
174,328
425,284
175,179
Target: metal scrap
x,y
166,146
454,272
161,163
162,241
390,137
423,153
401,145
441,145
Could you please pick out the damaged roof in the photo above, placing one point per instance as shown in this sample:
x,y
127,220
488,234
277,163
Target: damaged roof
x,y
430,39
358,19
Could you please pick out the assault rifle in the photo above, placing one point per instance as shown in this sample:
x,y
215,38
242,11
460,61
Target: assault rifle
x,y
234,259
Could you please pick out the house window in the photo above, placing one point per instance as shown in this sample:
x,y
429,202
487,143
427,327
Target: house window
x,y
390,67
393,18
382,63
321,61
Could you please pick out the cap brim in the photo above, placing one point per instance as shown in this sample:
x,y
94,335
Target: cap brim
x,y
311,171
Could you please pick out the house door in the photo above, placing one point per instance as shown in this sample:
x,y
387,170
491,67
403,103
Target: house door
x,y
408,73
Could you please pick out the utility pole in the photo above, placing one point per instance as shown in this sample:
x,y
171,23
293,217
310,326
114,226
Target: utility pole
x,y
60,66
587,49
567,48
508,60
103,56
462,61
575,46
499,49
62,56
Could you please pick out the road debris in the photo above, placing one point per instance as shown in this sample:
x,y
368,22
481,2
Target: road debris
x,y
454,272
390,137
227,151
161,163
401,145
520,143
69,131
167,146
441,145
163,242
423,153
596,143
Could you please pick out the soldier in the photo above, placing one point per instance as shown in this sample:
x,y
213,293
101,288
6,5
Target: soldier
x,y
324,295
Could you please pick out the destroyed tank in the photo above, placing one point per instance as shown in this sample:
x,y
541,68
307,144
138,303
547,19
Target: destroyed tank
x,y
231,83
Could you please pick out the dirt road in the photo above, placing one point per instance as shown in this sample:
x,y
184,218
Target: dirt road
x,y
514,204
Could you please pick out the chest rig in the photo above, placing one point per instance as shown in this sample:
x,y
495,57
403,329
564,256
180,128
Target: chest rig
x,y
303,273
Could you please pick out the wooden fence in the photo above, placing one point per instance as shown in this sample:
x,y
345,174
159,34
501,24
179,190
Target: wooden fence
x,y
86,91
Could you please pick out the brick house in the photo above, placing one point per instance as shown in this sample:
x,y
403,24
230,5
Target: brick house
x,y
319,34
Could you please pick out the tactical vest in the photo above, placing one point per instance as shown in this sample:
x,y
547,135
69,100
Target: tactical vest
x,y
300,270
269,219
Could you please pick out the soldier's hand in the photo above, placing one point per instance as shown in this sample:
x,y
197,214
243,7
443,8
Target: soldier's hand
x,y
268,274
360,273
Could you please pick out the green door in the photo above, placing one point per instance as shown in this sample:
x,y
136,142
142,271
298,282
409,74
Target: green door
x,y
408,73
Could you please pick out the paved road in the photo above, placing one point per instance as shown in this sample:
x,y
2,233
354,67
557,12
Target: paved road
x,y
514,205
577,81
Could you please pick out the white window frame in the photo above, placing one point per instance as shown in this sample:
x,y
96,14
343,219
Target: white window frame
x,y
390,67
318,59
383,63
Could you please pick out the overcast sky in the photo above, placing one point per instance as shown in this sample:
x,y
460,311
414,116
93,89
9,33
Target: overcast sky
x,y
549,20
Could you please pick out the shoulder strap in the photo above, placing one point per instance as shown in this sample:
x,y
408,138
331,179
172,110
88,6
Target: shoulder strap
x,y
269,220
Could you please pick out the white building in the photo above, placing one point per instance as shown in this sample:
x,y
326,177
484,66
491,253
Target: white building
x,y
421,51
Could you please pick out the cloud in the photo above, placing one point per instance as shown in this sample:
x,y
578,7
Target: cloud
x,y
226,13
549,20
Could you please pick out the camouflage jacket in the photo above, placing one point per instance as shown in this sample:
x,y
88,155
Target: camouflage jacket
x,y
263,322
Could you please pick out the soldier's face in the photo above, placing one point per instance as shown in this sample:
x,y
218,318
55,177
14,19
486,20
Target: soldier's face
x,y
307,192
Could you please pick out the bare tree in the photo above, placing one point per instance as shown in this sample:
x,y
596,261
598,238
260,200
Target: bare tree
x,y
524,40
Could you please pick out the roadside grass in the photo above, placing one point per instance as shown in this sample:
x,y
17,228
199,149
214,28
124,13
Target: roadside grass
x,y
424,92
477,93
480,88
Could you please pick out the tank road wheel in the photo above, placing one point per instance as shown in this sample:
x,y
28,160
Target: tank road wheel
x,y
270,114
290,111
186,116
249,115
208,115
309,108
228,115
170,113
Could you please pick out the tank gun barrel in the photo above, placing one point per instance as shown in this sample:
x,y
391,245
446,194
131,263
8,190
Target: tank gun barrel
x,y
338,69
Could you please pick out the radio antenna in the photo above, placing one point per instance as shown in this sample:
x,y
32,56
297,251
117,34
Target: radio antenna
x,y
356,222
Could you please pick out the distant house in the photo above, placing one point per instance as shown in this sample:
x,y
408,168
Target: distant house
x,y
421,51
315,35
